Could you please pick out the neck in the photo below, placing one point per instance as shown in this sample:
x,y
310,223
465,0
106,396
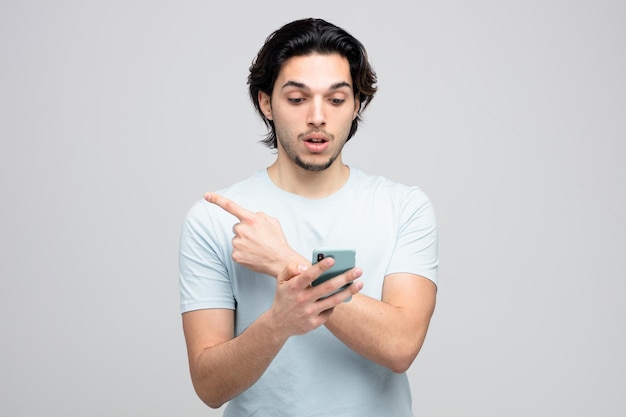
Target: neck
x,y
309,184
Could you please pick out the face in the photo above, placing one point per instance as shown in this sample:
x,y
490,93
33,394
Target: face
x,y
312,107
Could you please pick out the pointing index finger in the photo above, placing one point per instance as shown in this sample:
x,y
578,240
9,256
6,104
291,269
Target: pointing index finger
x,y
229,206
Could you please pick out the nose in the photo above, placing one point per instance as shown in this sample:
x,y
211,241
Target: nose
x,y
316,113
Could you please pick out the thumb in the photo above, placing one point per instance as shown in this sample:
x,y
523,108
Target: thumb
x,y
290,271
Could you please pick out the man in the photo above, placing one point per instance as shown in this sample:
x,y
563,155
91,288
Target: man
x,y
259,335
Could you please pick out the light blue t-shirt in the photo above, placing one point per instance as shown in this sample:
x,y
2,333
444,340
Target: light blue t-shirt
x,y
391,226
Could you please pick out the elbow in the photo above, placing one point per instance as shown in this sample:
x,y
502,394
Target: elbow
x,y
403,353
401,364
210,399
213,404
403,357
399,368
209,396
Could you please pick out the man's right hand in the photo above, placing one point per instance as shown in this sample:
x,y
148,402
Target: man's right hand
x,y
259,243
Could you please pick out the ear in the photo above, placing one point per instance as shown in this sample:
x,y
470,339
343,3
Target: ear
x,y
265,103
357,107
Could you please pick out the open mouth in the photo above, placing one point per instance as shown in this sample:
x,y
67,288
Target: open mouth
x,y
316,144
316,140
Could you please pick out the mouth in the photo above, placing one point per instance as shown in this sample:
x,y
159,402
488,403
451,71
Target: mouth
x,y
316,143
316,139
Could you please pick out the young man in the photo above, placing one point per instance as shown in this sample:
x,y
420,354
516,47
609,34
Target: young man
x,y
259,335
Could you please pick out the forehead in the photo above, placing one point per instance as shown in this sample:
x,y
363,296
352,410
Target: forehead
x,y
316,71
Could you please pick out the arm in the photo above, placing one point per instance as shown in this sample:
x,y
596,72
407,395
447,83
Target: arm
x,y
223,366
389,332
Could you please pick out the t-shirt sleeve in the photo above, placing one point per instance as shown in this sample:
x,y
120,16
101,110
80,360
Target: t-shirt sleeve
x,y
203,270
416,249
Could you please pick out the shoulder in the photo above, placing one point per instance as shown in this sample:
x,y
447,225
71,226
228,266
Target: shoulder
x,y
383,187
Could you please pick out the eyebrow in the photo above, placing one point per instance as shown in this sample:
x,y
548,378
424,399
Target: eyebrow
x,y
303,86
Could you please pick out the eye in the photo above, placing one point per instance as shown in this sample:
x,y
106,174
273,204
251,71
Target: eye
x,y
295,100
337,101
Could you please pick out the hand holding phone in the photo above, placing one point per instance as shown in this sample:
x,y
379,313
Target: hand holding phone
x,y
344,261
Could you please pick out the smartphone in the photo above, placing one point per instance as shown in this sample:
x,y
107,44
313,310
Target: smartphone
x,y
345,259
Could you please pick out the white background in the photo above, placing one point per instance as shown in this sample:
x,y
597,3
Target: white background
x,y
116,116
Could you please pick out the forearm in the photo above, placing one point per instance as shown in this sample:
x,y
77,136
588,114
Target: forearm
x,y
223,371
388,335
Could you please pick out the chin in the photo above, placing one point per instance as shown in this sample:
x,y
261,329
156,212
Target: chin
x,y
314,167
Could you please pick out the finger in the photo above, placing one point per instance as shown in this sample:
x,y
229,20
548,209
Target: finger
x,y
312,273
341,296
290,271
228,205
335,283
